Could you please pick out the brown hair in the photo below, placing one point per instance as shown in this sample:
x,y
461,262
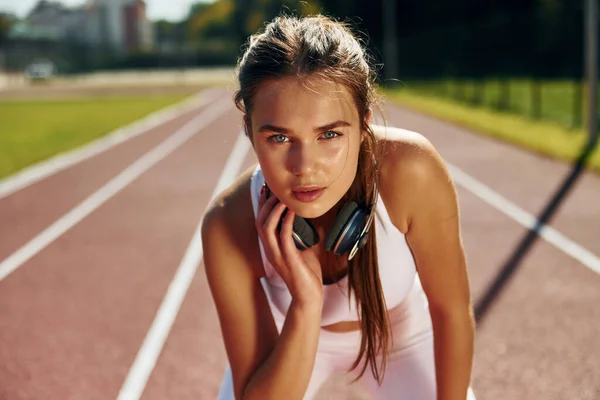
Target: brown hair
x,y
320,47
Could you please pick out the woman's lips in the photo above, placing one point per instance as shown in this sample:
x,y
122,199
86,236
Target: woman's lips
x,y
307,195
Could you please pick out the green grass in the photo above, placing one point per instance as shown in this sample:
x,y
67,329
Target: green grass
x,y
550,138
31,131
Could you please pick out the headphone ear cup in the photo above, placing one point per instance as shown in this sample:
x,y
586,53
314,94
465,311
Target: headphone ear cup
x,y
338,227
305,234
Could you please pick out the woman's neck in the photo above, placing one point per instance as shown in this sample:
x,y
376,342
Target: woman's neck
x,y
323,223
333,267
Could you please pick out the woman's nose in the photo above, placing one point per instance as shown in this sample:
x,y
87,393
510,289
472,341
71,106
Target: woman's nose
x,y
302,159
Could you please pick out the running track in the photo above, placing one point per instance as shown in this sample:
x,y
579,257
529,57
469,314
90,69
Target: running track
x,y
100,297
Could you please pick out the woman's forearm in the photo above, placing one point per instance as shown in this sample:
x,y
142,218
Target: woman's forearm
x,y
286,372
454,335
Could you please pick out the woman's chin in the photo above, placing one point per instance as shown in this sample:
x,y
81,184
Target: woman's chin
x,y
310,211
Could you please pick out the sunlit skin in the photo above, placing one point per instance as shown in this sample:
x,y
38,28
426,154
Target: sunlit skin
x,y
306,134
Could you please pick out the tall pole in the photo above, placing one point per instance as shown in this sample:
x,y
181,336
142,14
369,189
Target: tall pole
x,y
390,43
591,15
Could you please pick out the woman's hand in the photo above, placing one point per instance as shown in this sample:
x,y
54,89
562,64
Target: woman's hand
x,y
301,271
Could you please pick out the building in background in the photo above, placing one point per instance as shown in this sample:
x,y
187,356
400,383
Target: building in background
x,y
47,20
138,30
121,25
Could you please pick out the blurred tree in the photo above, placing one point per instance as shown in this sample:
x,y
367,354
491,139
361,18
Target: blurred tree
x,y
198,7
210,21
6,23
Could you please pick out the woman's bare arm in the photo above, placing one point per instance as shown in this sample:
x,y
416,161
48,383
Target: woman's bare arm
x,y
264,365
423,202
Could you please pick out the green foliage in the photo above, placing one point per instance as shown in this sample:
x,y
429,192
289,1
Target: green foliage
x,y
211,21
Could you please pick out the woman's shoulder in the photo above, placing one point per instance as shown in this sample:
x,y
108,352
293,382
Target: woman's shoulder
x,y
234,201
404,150
411,170
228,223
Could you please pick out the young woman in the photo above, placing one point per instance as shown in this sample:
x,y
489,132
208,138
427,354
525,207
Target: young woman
x,y
340,250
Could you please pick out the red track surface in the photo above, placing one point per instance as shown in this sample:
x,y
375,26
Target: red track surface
x,y
73,317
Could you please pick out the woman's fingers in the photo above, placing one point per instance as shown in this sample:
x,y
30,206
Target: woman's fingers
x,y
271,237
286,238
288,247
265,206
274,217
275,231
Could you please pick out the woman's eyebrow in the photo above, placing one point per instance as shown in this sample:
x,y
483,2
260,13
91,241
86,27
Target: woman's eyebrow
x,y
333,125
279,129
272,128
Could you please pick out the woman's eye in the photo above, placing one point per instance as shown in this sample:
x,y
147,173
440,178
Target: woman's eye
x,y
277,138
330,135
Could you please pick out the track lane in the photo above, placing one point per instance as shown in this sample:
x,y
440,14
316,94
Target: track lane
x,y
27,212
538,338
73,318
193,359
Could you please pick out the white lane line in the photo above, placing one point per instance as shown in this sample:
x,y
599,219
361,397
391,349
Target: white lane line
x,y
527,220
64,160
145,361
111,188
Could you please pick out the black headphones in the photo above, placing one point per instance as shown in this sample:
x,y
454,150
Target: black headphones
x,y
348,233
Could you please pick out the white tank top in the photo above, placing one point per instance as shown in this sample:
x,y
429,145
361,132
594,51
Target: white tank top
x,y
397,271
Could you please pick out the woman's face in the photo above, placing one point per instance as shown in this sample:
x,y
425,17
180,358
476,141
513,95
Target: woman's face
x,y
307,137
